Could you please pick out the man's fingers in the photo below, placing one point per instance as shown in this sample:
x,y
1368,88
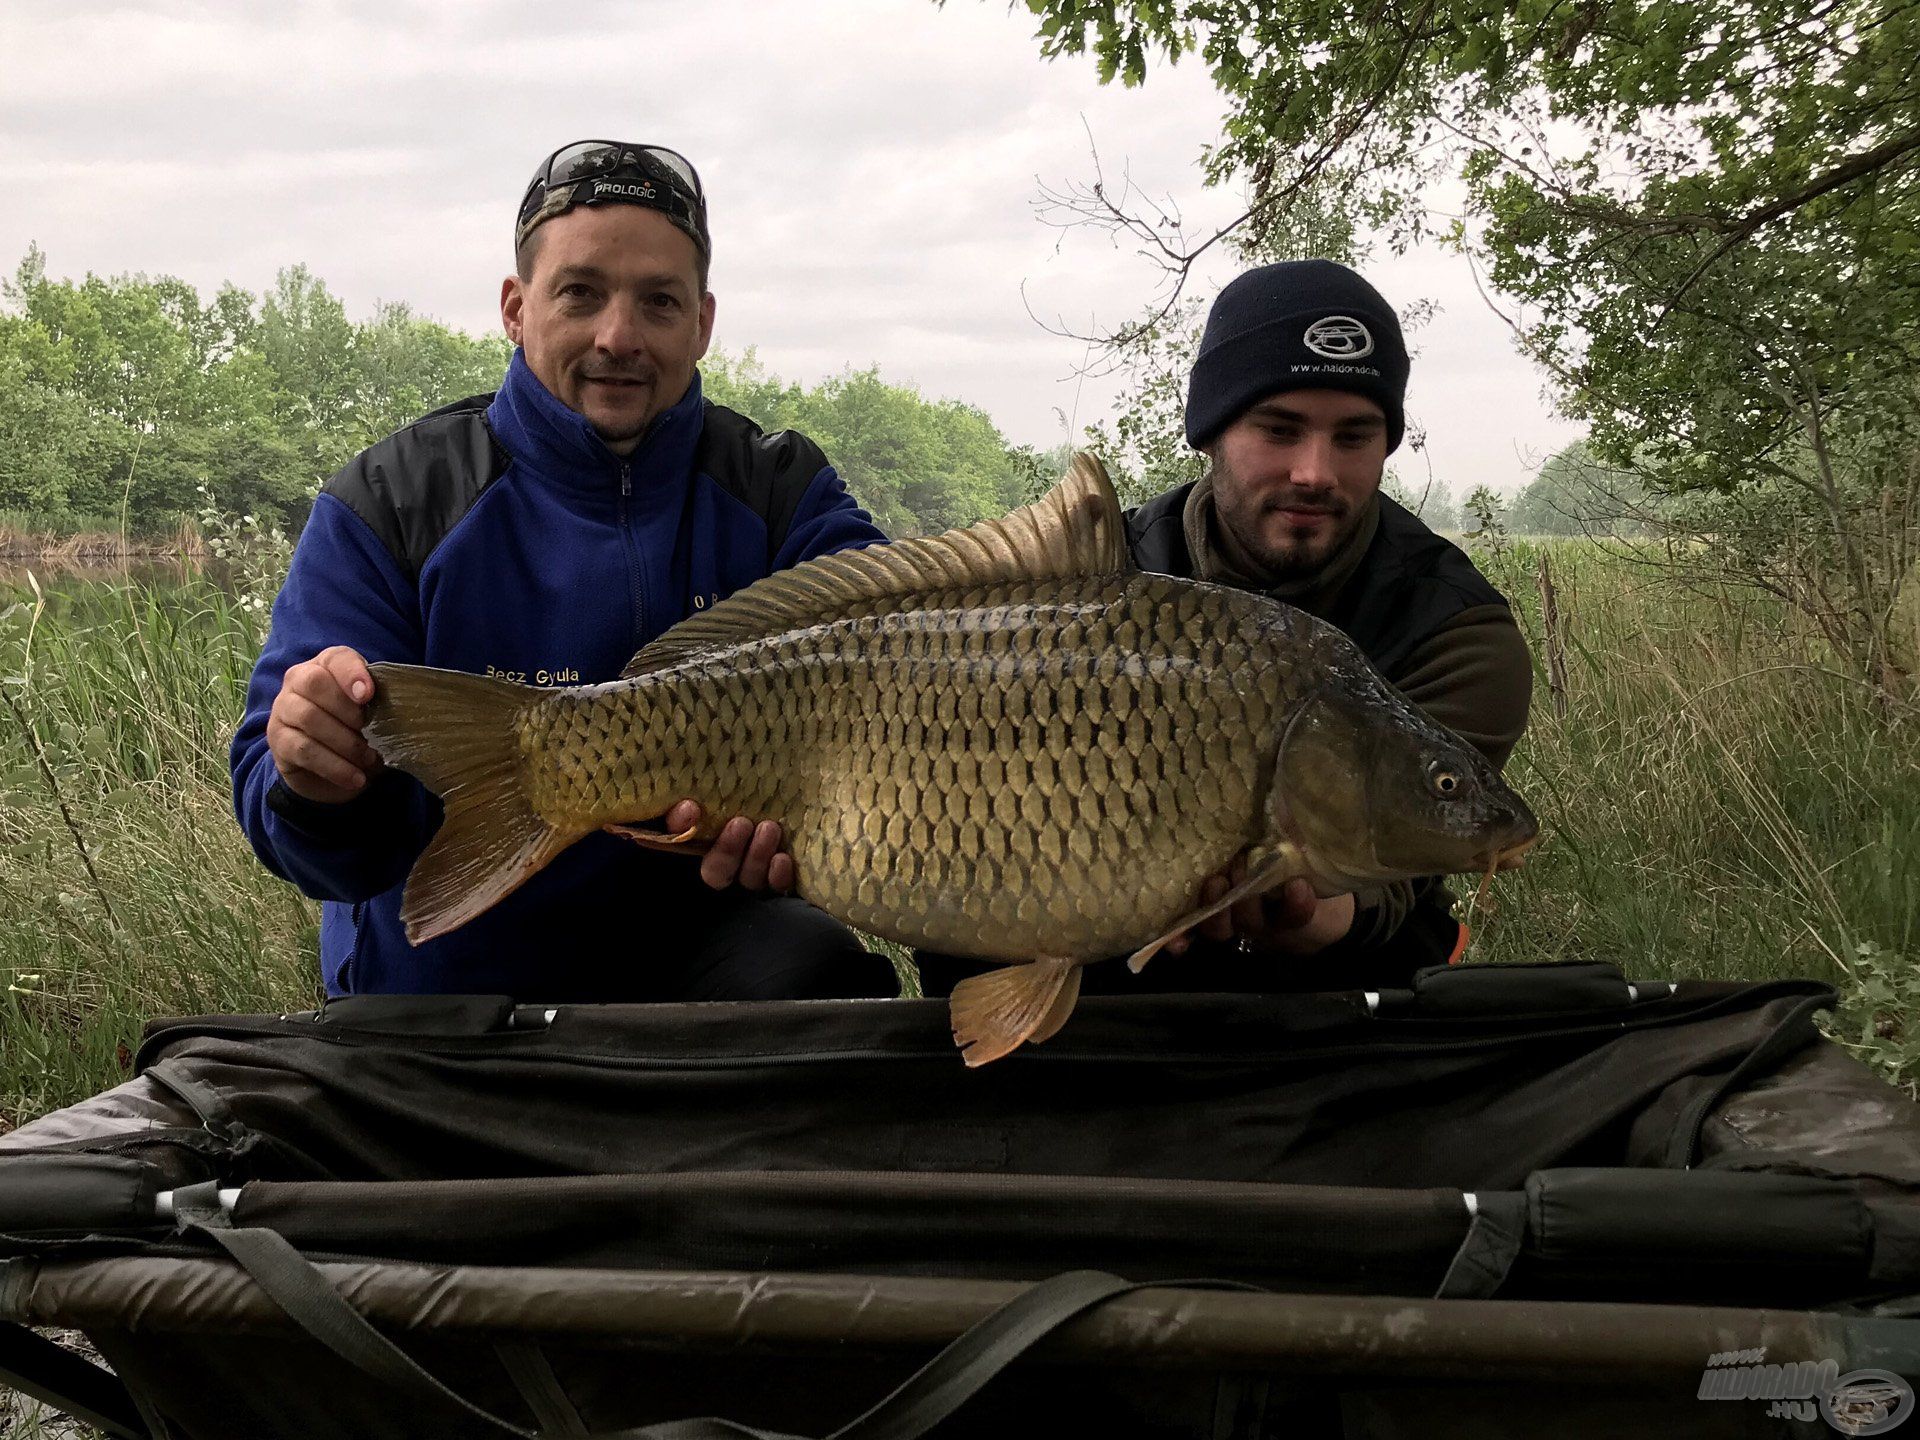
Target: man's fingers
x,y
1291,906
780,875
1216,927
760,852
314,684
1249,917
350,672
721,867
742,853
298,754
301,716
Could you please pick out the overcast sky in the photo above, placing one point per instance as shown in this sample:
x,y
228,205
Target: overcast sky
x,y
872,168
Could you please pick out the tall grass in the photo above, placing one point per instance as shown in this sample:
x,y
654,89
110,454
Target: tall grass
x,y
1718,801
126,889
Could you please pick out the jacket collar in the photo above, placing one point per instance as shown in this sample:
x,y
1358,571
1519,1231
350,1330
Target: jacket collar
x,y
563,446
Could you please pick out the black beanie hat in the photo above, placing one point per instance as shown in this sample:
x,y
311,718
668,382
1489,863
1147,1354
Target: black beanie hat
x,y
1298,325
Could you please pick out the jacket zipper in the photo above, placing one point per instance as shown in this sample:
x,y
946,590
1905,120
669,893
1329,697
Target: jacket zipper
x,y
345,975
634,589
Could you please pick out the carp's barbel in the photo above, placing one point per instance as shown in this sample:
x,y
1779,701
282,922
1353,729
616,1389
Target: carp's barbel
x,y
1003,741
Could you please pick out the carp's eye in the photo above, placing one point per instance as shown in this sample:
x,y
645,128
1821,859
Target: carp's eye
x,y
1444,782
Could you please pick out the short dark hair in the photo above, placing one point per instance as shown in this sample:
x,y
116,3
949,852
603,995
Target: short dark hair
x,y
525,251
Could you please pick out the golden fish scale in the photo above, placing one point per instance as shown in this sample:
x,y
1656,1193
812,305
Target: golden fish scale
x,y
1046,768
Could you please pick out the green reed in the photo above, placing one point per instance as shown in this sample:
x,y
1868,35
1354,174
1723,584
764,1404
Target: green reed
x,y
126,889
1719,800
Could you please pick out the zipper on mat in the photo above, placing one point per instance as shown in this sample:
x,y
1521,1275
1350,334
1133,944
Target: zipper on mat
x,y
751,1059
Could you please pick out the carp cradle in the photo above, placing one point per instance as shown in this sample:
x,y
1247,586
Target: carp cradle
x,y
1508,1199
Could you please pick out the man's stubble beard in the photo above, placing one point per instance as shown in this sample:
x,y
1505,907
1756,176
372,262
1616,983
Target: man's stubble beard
x,y
626,431
1242,516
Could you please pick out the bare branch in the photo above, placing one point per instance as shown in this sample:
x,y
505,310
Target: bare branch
x,y
1095,206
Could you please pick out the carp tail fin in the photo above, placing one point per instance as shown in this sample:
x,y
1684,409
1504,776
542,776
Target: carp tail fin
x,y
458,735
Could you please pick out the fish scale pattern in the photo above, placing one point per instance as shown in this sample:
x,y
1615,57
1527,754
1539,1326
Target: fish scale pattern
x,y
1040,770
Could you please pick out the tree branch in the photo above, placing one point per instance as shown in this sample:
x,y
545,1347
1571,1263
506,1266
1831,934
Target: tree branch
x,y
1853,168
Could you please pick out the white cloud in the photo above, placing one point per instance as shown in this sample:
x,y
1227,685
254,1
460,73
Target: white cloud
x,y
873,167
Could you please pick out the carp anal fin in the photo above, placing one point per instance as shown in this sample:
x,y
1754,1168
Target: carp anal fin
x,y
1281,866
1075,529
996,1013
458,735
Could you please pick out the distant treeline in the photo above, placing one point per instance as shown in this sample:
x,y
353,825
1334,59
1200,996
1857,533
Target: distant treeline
x,y
1576,494
120,397
123,396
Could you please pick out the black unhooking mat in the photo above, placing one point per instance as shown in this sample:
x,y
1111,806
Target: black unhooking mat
x,y
533,1197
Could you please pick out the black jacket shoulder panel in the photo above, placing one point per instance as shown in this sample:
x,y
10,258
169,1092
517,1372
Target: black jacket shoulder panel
x,y
1412,553
1156,533
413,487
1411,584
480,403
768,472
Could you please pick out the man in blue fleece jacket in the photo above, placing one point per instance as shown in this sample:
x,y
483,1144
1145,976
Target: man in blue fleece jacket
x,y
545,533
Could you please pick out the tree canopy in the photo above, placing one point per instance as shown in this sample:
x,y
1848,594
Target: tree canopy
x,y
123,395
919,466
1701,215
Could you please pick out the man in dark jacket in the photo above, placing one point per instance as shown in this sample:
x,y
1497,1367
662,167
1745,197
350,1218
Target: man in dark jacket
x,y
545,533
1296,400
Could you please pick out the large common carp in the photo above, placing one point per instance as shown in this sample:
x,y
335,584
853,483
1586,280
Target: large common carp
x,y
1003,741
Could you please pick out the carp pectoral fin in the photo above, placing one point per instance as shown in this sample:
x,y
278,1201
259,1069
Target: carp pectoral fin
x,y
996,1013
681,844
1274,869
459,736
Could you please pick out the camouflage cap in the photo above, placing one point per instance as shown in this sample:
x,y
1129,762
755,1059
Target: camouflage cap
x,y
613,172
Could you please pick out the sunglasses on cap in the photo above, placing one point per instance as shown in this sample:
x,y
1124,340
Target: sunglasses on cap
x,y
590,172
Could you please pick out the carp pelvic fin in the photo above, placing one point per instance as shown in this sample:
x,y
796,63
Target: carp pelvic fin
x,y
996,1013
456,734
1076,528
1272,869
685,843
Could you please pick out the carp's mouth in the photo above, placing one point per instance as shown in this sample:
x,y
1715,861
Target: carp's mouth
x,y
1493,861
1508,857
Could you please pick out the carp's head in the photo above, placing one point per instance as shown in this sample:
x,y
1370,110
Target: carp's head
x,y
1372,790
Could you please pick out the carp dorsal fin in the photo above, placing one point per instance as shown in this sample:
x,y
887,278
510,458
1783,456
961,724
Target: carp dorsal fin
x,y
1074,529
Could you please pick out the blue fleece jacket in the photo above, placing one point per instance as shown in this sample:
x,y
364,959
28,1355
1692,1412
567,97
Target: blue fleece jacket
x,y
564,566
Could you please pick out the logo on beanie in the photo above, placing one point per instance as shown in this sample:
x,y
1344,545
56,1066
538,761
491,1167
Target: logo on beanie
x,y
1338,337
